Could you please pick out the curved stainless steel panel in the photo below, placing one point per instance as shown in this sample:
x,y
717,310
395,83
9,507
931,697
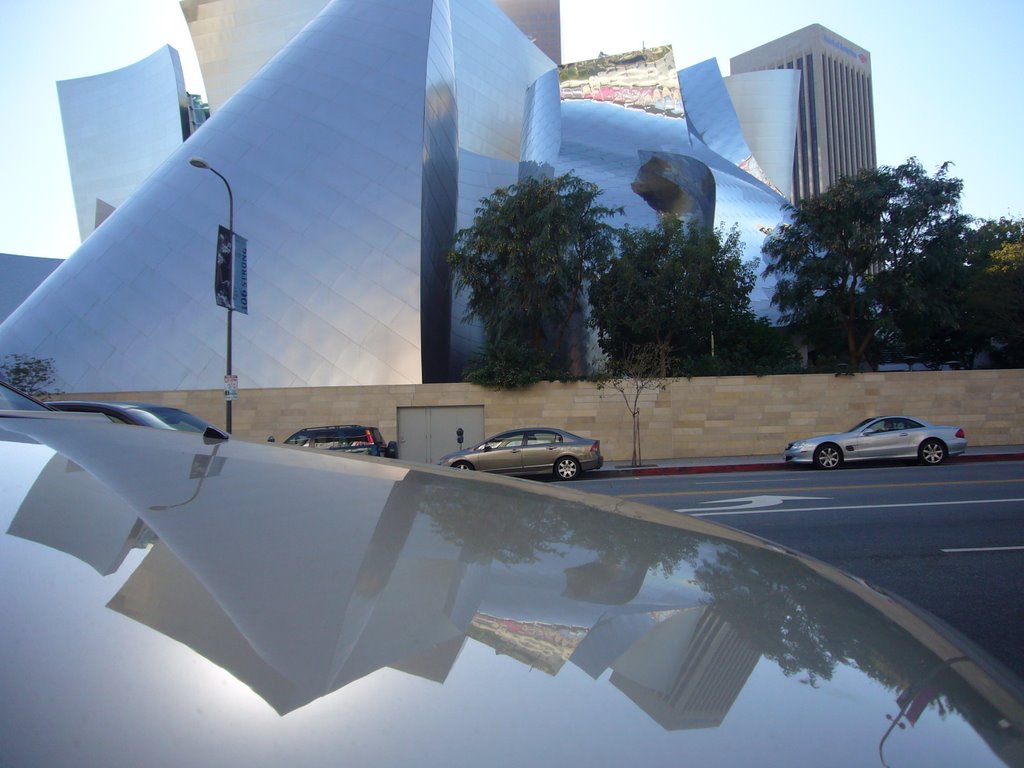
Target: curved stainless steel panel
x,y
767,106
118,127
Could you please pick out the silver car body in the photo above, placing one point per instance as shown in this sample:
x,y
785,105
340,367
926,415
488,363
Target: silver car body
x,y
882,437
530,451
142,415
173,601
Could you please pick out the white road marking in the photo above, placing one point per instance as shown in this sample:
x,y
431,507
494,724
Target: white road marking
x,y
748,503
981,549
700,513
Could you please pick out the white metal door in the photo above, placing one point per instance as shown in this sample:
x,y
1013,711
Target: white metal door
x,y
426,434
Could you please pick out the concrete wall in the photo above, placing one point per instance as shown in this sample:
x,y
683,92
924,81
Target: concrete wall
x,y
735,416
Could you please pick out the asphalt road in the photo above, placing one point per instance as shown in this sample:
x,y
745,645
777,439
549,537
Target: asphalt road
x,y
949,539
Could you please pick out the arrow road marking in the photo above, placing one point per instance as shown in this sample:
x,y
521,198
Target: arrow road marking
x,y
745,504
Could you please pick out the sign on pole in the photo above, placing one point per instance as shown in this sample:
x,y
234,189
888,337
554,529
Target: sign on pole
x,y
231,387
231,271
240,277
222,283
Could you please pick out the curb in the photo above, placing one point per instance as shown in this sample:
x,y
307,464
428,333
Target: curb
x,y
765,466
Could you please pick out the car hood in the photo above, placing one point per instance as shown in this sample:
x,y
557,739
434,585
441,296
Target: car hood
x,y
174,601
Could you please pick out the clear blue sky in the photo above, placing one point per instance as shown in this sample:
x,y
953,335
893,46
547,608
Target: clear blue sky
x,y
947,81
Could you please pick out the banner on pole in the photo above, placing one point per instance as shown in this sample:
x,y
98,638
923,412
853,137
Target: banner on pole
x,y
222,289
231,271
240,277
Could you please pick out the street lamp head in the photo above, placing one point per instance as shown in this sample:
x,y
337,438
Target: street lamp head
x,y
198,162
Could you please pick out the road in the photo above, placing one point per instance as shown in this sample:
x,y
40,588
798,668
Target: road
x,y
949,539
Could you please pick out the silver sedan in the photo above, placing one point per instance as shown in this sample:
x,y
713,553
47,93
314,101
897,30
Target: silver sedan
x,y
881,437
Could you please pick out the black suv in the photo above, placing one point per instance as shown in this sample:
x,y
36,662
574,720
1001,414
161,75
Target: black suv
x,y
349,438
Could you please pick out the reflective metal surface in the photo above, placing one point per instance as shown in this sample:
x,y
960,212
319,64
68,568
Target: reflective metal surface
x,y
118,127
174,602
349,188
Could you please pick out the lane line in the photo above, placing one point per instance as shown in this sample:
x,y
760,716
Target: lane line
x,y
775,510
980,549
817,488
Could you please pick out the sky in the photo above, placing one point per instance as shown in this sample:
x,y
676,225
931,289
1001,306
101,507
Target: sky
x,y
947,81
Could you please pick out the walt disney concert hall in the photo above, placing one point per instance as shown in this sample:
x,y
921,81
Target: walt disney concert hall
x,y
348,143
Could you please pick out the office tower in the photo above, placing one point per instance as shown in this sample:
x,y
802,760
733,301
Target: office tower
x,y
836,126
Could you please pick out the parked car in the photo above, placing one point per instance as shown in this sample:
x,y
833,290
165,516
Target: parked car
x,y
347,438
143,415
530,451
171,602
881,437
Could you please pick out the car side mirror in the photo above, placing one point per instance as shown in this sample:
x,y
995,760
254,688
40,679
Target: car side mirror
x,y
212,433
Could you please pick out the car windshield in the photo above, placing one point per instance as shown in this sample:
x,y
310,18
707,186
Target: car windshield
x,y
340,438
11,400
176,419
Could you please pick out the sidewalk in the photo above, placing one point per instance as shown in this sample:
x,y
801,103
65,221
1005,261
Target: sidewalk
x,y
705,465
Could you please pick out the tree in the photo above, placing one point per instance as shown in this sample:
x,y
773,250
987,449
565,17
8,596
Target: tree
x,y
34,375
881,252
992,306
677,287
636,371
997,300
527,257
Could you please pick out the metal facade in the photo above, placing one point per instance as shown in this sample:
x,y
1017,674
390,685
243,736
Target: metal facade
x,y
836,135
354,155
118,127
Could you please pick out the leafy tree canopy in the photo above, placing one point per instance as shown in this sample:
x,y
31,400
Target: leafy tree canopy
x,y
996,299
881,252
34,375
526,258
678,287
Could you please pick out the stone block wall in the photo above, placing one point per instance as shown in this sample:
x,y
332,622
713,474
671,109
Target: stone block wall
x,y
701,417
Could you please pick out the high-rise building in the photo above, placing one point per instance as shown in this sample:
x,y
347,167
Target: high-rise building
x,y
836,125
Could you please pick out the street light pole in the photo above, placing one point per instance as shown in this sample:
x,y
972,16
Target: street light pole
x,y
198,162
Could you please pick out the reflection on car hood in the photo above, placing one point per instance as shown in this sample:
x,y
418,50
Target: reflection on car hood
x,y
173,602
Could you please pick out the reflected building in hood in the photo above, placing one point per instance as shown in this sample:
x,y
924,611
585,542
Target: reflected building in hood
x,y
358,137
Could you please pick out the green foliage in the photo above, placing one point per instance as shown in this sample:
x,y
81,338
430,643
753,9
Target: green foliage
x,y
508,365
882,251
526,259
997,300
750,347
677,287
33,375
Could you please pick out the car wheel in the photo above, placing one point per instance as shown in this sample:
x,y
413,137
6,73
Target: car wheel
x,y
462,465
828,456
932,452
566,468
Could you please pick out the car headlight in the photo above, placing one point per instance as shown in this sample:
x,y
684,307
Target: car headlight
x,y
799,445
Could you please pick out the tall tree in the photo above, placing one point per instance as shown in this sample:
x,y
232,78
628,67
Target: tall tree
x,y
678,287
997,302
527,257
880,252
